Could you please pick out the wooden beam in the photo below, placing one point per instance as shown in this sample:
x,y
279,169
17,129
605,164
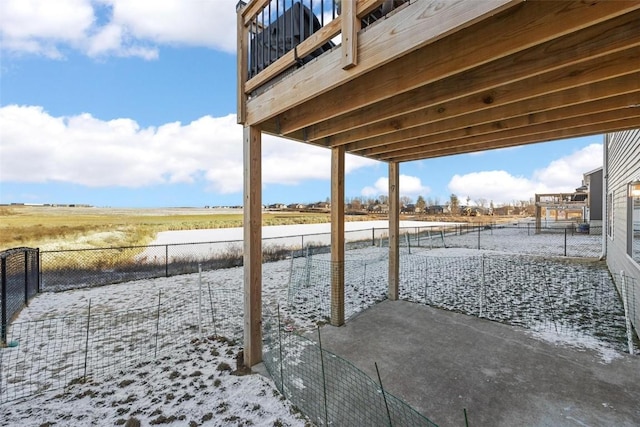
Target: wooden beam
x,y
517,29
350,28
394,231
621,64
365,7
410,28
471,146
252,245
518,129
241,64
572,101
254,7
337,236
392,114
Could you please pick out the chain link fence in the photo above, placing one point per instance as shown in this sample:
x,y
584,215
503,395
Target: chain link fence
x,y
52,353
19,283
71,269
328,389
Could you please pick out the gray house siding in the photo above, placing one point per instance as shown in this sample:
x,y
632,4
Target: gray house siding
x,y
622,165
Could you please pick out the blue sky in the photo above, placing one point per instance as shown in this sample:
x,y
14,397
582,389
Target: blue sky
x,y
121,103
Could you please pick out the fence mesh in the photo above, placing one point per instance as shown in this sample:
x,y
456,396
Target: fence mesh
x,y
568,297
19,283
630,294
327,388
310,283
569,241
50,354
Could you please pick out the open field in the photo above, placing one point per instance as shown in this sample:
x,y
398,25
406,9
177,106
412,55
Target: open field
x,y
57,228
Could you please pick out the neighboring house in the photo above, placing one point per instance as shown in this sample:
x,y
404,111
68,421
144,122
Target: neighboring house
x,y
408,208
379,208
592,183
622,212
277,206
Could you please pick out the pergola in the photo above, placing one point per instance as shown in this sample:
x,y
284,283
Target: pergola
x,y
433,78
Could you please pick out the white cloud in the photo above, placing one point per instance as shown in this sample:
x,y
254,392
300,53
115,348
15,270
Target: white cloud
x,y
409,186
115,27
561,175
37,147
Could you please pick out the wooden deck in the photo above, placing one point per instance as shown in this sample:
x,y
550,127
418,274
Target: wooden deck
x,y
433,78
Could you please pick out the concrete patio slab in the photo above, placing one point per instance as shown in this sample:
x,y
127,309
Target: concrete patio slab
x,y
442,362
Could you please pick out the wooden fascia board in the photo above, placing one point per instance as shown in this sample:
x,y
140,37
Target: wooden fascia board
x,y
407,30
561,131
574,116
385,116
514,30
534,105
514,122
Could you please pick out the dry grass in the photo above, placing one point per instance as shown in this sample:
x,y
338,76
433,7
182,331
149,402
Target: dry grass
x,y
59,228
53,228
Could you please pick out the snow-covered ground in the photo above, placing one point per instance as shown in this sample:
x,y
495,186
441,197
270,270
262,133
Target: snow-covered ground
x,y
150,354
290,236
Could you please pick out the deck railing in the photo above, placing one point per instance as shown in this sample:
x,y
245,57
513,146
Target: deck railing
x,y
276,35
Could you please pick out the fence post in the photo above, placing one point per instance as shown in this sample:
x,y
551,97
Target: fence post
x,y
324,379
200,300
481,296
478,237
3,300
280,349
373,236
86,342
155,352
565,241
26,277
384,396
38,269
166,260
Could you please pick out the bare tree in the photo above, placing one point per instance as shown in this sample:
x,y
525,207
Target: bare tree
x,y
405,200
454,204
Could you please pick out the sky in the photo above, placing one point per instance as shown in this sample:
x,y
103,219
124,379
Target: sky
x,y
132,104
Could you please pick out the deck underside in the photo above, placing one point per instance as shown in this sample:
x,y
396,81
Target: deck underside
x,y
520,73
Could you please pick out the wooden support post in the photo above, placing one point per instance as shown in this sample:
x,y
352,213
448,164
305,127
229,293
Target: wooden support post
x,y
252,245
337,235
350,28
394,230
538,214
242,62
